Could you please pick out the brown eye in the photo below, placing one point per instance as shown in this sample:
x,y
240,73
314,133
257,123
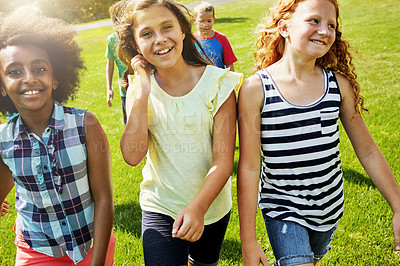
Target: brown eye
x,y
40,70
167,27
146,34
15,72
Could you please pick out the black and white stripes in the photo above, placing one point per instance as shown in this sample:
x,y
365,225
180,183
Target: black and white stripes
x,y
301,178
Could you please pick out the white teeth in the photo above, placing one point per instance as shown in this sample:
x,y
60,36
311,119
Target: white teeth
x,y
318,42
31,92
163,51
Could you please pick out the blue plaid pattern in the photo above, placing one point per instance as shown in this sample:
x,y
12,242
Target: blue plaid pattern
x,y
53,200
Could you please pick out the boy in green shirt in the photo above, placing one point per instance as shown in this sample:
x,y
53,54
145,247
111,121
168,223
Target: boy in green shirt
x,y
112,57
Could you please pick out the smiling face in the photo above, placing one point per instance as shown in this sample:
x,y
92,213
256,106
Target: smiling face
x,y
204,22
311,30
159,37
27,77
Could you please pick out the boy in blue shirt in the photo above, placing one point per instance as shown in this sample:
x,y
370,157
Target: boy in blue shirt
x,y
215,44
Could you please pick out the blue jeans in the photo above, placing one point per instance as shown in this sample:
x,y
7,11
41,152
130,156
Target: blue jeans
x,y
295,244
160,248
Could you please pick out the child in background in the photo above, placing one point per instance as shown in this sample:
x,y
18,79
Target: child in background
x,y
58,157
112,57
304,83
182,115
215,44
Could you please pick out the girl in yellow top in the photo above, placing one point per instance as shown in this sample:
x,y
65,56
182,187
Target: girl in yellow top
x,y
182,115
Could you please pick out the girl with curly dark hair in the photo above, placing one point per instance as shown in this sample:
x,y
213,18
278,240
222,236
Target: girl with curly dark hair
x,y
58,157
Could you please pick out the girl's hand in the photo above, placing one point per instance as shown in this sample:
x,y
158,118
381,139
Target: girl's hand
x,y
189,224
253,255
4,208
396,231
142,74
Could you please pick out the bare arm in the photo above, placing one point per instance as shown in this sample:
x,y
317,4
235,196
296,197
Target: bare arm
x,y
7,183
249,105
134,140
369,154
99,172
109,77
189,224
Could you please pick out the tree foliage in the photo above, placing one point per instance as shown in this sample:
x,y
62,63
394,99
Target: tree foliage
x,y
72,11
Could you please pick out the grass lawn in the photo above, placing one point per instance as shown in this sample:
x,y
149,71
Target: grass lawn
x,y
364,235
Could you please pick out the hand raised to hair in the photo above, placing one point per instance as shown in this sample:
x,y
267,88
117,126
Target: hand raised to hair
x,y
142,76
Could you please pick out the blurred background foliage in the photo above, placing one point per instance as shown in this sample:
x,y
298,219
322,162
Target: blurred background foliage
x,y
72,11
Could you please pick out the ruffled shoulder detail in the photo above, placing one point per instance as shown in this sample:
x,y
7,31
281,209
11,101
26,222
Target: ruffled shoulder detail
x,y
218,86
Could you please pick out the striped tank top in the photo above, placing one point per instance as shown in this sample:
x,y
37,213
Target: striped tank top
x,y
301,177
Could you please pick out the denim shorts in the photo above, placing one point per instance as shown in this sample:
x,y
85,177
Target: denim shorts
x,y
294,244
160,248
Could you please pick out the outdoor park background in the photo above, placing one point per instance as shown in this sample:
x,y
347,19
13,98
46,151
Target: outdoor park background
x,y
364,234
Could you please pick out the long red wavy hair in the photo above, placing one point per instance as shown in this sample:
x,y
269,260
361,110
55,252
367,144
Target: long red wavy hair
x,y
270,46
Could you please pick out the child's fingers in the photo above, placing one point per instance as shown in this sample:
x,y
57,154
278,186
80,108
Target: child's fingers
x,y
189,232
4,208
264,261
138,62
182,231
185,233
176,226
196,236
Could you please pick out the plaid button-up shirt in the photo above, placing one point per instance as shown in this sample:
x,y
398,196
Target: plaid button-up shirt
x,y
53,200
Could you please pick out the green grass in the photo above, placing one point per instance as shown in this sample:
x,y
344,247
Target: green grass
x,y
364,235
